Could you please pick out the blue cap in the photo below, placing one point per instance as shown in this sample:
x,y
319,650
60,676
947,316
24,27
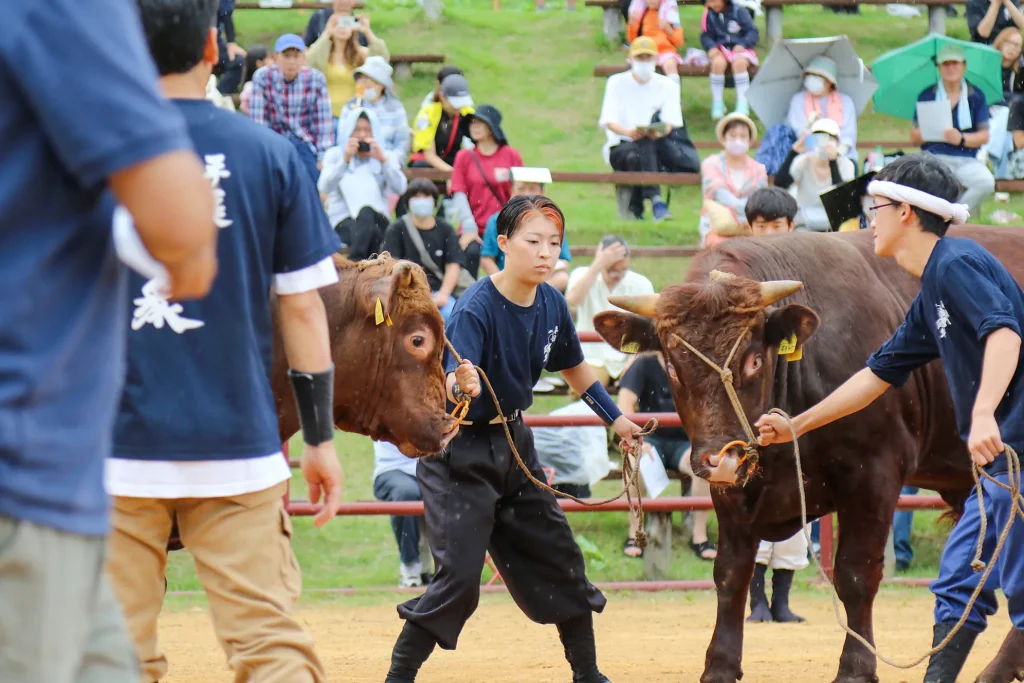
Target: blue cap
x,y
289,41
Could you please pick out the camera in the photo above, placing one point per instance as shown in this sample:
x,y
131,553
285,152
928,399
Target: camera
x,y
363,146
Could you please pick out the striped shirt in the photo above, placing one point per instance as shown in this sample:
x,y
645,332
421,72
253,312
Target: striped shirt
x,y
299,108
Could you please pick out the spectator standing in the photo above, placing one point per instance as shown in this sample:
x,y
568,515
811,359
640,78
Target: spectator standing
x,y
525,181
987,18
442,126
632,102
814,166
959,150
357,178
433,246
902,526
62,362
481,181
291,99
658,19
375,91
590,286
645,388
732,175
255,58
728,35
394,481
229,68
820,98
196,442
337,54
784,558
1009,43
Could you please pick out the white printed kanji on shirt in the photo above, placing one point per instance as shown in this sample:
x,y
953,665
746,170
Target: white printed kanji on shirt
x,y
216,169
152,308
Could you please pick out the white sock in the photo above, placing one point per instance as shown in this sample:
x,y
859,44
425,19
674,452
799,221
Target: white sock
x,y
675,78
717,87
742,82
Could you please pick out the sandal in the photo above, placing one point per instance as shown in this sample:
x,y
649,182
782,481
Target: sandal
x,y
631,549
706,551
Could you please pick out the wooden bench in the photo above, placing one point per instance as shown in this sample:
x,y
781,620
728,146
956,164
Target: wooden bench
x,y
288,4
685,71
613,22
403,63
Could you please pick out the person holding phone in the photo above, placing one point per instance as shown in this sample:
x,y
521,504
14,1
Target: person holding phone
x,y
814,166
337,54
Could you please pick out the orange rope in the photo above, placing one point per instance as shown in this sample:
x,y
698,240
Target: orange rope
x,y
729,445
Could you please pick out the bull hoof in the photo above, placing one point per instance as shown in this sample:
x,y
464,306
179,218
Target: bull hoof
x,y
859,678
716,677
1008,666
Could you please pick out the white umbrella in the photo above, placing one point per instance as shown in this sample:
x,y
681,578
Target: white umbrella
x,y
781,75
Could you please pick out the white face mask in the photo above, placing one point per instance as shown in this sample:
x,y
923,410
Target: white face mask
x,y
814,84
421,207
643,70
371,94
737,147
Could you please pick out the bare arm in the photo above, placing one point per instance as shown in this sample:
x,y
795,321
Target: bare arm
x,y
430,156
1015,14
489,265
988,22
579,379
575,295
1002,349
451,278
307,344
172,207
855,394
915,136
976,140
627,401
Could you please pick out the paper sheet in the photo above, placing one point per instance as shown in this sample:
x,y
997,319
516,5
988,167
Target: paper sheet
x,y
933,118
652,470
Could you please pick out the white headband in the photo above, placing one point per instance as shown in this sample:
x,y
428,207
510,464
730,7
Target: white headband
x,y
957,214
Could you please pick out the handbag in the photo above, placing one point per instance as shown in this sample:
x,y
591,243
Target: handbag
x,y
465,279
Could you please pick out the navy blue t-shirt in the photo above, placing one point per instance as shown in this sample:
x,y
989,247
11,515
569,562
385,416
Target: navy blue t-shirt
x,y
966,294
979,121
197,383
512,344
78,103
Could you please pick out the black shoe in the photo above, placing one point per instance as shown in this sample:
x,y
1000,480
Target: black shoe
x,y
426,578
577,637
945,665
759,611
782,581
413,647
902,566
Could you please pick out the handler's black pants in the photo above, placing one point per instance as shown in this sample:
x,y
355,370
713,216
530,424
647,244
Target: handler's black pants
x,y
476,500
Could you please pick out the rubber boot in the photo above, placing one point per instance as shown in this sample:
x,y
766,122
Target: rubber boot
x,y
1008,665
577,637
759,611
944,666
413,647
782,581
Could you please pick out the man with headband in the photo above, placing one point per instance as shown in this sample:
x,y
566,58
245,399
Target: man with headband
x,y
969,314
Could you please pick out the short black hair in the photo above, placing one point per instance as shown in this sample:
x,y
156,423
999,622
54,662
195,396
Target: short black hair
x,y
519,208
925,173
176,31
255,53
770,204
421,186
446,71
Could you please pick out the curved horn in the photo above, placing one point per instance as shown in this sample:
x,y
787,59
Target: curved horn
x,y
403,272
641,304
775,290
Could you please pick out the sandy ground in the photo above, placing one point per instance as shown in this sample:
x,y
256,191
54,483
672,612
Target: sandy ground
x,y
654,638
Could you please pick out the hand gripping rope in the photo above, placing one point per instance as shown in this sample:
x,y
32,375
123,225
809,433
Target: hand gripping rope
x,y
751,455
630,469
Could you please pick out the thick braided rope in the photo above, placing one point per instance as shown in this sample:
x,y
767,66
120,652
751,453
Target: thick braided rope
x,y
630,468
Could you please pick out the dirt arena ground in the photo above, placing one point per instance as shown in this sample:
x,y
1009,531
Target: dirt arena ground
x,y
653,638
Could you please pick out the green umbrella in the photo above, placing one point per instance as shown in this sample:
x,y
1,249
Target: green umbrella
x,y
903,73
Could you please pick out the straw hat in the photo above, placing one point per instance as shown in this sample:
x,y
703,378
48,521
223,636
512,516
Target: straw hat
x,y
735,116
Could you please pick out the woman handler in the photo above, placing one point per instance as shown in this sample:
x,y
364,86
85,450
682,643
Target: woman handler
x,y
476,498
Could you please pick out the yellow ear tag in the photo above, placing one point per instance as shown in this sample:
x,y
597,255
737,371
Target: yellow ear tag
x,y
787,346
387,319
378,313
796,355
628,346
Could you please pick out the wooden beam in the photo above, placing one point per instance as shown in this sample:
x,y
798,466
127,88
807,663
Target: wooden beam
x,y
685,70
286,4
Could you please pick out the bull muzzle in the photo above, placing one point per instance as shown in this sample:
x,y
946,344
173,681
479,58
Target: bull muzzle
x,y
721,466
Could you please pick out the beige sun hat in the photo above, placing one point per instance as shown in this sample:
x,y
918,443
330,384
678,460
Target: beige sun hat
x,y
735,116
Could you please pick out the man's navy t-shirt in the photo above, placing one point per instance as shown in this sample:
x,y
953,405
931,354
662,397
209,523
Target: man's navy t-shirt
x,y
512,344
979,121
197,384
966,294
78,103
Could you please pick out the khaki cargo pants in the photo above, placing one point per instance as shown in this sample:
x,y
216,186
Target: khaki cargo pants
x,y
243,555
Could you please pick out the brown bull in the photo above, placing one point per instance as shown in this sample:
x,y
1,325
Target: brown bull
x,y
849,303
389,384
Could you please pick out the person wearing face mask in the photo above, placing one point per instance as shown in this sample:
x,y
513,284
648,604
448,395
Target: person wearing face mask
x,y
438,238
633,100
732,175
658,19
375,91
820,98
337,54
357,178
812,167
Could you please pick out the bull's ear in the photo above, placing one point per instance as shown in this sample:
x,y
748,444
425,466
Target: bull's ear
x,y
790,321
384,292
627,332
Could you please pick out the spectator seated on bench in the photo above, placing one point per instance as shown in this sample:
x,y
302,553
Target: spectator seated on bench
x,y
256,58
337,54
987,18
525,181
442,125
658,19
1009,43
394,481
375,91
813,166
1015,167
820,98
771,211
728,36
578,455
318,21
729,177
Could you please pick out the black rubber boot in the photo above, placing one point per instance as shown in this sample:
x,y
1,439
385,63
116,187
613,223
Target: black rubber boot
x,y
413,647
782,581
577,637
944,666
759,611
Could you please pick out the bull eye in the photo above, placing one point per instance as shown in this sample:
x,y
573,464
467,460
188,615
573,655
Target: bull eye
x,y
418,341
754,363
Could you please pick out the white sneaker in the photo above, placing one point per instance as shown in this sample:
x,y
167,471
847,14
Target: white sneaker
x,y
410,576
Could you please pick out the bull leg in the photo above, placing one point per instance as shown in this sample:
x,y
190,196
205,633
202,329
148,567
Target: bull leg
x,y
734,567
858,572
1008,665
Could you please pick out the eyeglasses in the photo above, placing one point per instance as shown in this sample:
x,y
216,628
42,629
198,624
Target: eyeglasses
x,y
872,210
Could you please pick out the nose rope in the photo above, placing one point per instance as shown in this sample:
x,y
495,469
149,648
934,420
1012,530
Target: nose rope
x,y
630,465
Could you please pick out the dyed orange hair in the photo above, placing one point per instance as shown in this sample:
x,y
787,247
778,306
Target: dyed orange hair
x,y
520,209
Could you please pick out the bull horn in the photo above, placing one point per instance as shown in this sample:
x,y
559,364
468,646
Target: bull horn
x,y
641,304
404,271
775,290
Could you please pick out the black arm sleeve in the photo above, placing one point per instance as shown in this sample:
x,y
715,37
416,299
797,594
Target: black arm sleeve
x,y
782,178
833,167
